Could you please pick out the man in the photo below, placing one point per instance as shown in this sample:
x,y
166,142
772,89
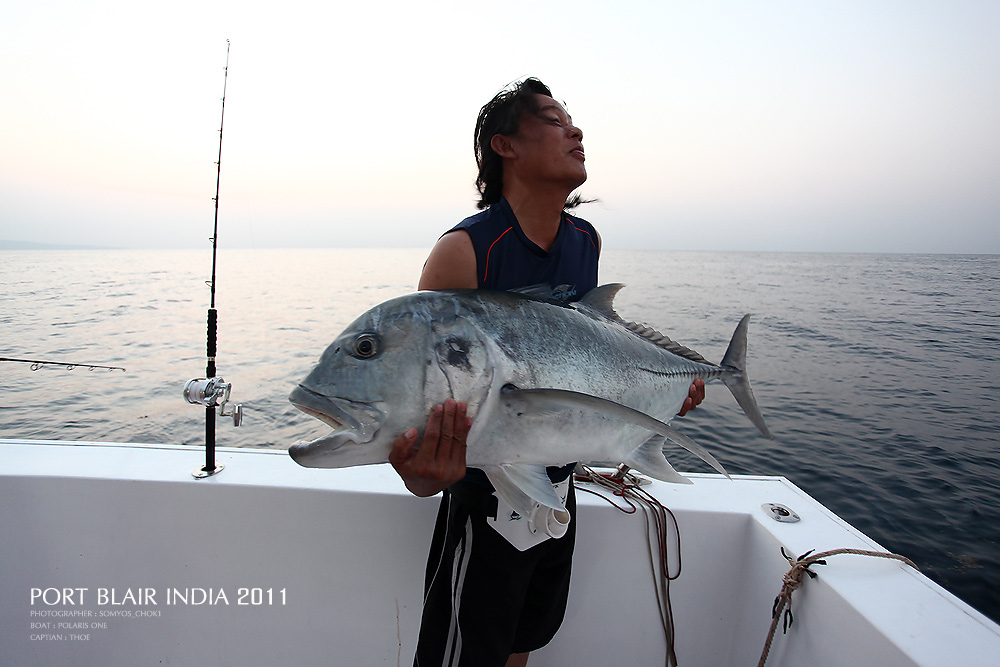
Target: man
x,y
489,599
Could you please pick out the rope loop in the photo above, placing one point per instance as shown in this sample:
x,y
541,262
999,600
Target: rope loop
x,y
792,580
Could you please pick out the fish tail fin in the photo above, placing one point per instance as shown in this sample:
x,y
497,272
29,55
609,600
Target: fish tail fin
x,y
734,362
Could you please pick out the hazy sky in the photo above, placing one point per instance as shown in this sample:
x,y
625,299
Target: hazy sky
x,y
736,125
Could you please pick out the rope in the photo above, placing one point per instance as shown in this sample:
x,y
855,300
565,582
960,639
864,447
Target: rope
x,y
793,579
657,516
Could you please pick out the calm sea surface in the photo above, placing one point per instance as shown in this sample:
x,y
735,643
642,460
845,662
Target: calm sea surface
x,y
878,374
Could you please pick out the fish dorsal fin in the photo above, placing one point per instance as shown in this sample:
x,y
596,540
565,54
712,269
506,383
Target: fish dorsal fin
x,y
655,337
602,299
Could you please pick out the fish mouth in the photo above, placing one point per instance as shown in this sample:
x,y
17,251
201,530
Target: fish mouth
x,y
352,422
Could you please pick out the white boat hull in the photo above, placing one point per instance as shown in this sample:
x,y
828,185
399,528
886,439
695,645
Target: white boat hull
x,y
322,566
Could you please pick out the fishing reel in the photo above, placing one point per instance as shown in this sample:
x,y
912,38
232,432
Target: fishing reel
x,y
212,392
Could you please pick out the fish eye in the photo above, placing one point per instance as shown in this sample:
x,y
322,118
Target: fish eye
x,y
365,346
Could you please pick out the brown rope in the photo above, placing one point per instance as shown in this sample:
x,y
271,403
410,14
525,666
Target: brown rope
x,y
659,520
793,579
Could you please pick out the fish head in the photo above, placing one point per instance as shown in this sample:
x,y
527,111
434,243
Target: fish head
x,y
383,374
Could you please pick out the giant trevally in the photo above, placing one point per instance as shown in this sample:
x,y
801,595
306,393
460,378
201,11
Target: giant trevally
x,y
547,383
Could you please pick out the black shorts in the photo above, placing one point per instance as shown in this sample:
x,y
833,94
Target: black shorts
x,y
484,599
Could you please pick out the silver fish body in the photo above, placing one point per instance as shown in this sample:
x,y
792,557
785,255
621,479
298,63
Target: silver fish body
x,y
546,384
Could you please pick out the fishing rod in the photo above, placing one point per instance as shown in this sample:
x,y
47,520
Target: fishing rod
x,y
212,391
68,365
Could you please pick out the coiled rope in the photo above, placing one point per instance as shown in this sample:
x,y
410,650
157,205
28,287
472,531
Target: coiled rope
x,y
793,579
658,520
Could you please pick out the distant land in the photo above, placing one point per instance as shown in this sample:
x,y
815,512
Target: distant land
x,y
31,245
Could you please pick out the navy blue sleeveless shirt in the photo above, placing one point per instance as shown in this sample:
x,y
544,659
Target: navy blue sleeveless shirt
x,y
506,259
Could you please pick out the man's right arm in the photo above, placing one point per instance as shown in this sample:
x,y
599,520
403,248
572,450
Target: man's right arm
x,y
451,264
439,461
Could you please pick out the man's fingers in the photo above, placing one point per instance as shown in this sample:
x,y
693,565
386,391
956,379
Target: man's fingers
x,y
432,435
462,423
439,460
696,394
402,447
447,436
454,429
441,452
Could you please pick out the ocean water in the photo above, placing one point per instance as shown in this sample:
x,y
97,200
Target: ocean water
x,y
878,374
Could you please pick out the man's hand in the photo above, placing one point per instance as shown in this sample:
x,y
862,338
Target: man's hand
x,y
439,461
696,394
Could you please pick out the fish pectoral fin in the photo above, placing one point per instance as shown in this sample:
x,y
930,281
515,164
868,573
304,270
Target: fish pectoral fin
x,y
649,459
554,400
522,485
549,398
522,401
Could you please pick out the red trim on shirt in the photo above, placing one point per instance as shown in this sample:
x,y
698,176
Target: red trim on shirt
x,y
585,232
486,270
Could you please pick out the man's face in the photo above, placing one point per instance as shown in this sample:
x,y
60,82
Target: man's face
x,y
548,147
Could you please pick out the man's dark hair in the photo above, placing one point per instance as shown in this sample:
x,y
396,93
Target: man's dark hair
x,y
501,115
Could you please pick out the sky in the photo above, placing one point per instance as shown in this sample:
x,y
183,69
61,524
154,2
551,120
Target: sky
x,y
776,125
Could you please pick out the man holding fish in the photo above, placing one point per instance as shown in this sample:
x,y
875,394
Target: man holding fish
x,y
497,584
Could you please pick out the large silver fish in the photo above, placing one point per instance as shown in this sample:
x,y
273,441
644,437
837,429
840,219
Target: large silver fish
x,y
547,383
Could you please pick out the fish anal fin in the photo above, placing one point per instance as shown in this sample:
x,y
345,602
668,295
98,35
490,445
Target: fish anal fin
x,y
648,458
687,443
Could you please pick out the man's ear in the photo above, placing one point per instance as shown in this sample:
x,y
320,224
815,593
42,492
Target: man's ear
x,y
502,146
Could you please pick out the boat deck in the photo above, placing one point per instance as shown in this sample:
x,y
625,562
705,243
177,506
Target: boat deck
x,y
271,563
